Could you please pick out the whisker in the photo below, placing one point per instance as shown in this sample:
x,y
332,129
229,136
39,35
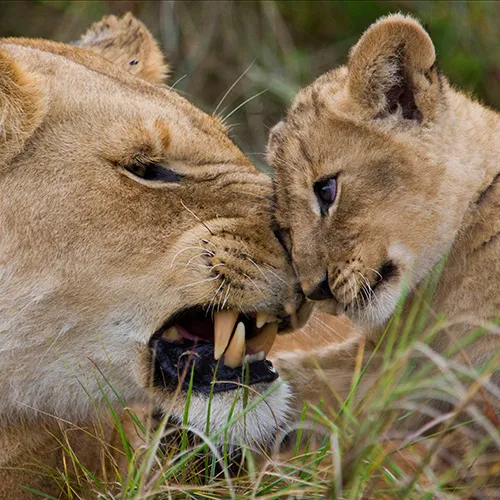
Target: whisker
x,y
177,81
197,218
243,103
328,327
197,282
258,268
253,282
275,275
227,296
195,257
211,254
375,271
232,87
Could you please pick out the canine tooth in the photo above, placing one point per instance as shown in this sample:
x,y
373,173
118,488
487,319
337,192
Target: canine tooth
x,y
171,335
224,322
250,358
264,340
235,349
271,318
261,319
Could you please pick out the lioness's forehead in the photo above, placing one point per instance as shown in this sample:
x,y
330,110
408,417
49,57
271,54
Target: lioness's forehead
x,y
82,87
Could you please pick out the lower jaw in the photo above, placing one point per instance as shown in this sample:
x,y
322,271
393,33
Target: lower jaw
x,y
194,368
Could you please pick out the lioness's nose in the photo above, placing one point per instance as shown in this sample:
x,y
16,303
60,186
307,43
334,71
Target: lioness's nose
x,y
321,291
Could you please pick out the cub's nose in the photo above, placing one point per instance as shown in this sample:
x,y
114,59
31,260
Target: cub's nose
x,y
321,291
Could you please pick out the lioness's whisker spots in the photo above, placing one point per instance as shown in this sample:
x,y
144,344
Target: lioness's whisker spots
x,y
258,267
253,283
167,257
197,257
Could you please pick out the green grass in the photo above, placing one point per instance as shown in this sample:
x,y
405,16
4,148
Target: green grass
x,y
278,47
355,451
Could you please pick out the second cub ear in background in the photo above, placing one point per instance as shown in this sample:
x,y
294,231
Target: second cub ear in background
x,y
392,70
127,43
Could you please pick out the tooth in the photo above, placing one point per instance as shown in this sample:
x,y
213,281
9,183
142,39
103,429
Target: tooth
x,y
250,358
171,335
234,351
264,340
271,318
261,319
224,322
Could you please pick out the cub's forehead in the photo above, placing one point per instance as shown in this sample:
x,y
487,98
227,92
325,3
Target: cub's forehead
x,y
85,91
307,145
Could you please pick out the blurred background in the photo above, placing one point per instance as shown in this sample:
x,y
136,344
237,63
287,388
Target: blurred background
x,y
245,60
264,51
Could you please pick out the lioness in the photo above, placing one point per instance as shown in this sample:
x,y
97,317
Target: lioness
x,y
135,240
382,169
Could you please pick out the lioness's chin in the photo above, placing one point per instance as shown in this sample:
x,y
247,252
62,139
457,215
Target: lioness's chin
x,y
217,363
256,417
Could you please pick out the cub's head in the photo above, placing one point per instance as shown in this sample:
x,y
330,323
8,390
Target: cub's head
x,y
365,197
135,239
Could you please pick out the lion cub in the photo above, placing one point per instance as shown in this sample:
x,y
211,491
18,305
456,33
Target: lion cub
x,y
382,171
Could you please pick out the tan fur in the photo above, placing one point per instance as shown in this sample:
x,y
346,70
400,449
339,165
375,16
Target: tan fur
x,y
127,43
418,176
93,260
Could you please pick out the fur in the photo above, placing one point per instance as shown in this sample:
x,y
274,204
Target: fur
x,y
418,172
93,260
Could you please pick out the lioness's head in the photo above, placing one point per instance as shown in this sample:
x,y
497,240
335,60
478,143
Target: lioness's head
x,y
365,194
135,237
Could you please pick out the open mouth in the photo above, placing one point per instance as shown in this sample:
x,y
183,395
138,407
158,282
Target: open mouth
x,y
226,350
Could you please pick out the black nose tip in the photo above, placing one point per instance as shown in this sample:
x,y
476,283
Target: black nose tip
x,y
321,292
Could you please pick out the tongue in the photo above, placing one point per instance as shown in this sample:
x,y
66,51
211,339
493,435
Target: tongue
x,y
173,365
193,327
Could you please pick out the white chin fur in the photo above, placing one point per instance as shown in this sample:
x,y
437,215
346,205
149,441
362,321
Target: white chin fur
x,y
380,308
259,426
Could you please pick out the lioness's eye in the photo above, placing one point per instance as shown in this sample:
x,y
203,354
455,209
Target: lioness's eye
x,y
326,192
153,172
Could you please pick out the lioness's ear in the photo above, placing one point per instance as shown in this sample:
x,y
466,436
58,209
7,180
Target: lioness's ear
x,y
392,69
127,43
22,107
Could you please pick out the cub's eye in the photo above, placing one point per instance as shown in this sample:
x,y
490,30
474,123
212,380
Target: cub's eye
x,y
326,192
153,172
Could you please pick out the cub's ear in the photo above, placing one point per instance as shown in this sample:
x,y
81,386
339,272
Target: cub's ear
x,y
274,140
127,43
22,107
392,70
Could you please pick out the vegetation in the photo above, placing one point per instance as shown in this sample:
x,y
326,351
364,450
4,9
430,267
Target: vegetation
x,y
271,49
355,452
245,61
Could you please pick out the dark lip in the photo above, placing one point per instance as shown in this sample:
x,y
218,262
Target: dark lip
x,y
176,364
173,362
386,273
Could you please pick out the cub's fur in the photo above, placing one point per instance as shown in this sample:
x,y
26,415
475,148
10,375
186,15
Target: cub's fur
x,y
417,170
93,260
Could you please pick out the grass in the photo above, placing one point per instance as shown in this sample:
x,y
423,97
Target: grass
x,y
355,451
280,47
